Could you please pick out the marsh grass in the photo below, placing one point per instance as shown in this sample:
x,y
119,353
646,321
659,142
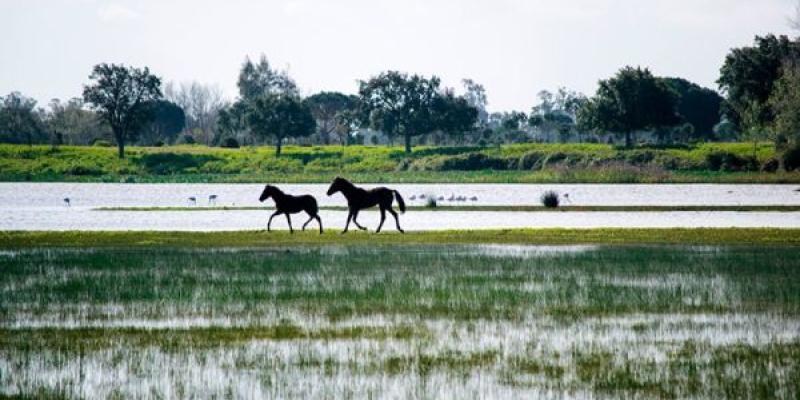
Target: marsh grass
x,y
412,321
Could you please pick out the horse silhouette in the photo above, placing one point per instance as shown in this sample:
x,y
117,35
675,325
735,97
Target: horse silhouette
x,y
288,204
359,199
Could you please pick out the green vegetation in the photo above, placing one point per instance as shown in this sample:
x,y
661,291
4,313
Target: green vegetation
x,y
618,321
523,163
435,207
730,236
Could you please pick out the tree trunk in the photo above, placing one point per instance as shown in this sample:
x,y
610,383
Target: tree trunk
x,y
628,140
408,144
121,146
278,147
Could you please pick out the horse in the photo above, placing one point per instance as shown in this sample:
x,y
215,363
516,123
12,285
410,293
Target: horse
x,y
288,204
359,199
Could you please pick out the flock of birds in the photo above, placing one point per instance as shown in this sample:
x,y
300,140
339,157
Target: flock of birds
x,y
212,200
452,197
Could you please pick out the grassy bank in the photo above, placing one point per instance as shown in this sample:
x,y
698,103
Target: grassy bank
x,y
521,163
701,236
521,208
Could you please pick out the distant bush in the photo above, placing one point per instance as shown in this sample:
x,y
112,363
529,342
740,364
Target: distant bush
x,y
730,162
791,158
230,143
770,165
550,199
463,162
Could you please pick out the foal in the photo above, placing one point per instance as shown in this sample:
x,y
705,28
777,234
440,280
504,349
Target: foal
x,y
288,204
359,199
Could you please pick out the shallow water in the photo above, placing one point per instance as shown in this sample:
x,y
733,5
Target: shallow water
x,y
40,206
590,322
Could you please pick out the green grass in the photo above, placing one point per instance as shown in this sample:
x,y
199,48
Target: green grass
x,y
522,163
730,236
520,208
353,321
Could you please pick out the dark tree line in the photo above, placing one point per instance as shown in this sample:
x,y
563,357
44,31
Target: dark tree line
x,y
126,104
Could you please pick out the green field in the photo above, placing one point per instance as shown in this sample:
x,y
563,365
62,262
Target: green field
x,y
365,320
521,163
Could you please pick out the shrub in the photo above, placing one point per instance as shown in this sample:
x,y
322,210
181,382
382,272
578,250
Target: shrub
x,y
791,158
530,160
727,161
431,202
230,143
770,165
550,199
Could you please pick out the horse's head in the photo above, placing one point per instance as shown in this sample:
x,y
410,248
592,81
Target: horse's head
x,y
269,190
337,185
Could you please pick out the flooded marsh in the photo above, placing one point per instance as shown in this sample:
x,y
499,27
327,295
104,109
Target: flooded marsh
x,y
410,321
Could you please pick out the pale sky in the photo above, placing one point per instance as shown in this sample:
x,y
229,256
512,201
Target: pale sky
x,y
515,48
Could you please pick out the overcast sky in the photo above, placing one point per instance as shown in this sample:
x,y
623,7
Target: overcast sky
x,y
514,47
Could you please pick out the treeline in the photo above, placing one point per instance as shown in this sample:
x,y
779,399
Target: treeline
x,y
127,105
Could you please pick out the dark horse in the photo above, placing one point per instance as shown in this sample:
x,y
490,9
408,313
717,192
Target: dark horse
x,y
288,204
359,199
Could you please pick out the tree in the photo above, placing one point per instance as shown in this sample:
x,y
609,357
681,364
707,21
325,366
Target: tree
x,y
556,113
259,79
749,73
75,124
167,121
20,122
325,106
698,106
454,114
280,116
785,103
201,104
232,121
399,104
121,94
475,94
630,101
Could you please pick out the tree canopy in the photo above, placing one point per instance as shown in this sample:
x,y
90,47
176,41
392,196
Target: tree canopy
x,y
19,120
748,75
121,94
257,79
630,101
280,116
698,106
325,106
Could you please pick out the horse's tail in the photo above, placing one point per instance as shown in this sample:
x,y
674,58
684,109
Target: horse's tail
x,y
400,202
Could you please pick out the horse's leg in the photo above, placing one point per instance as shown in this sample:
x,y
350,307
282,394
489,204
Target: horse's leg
x,y
310,218
355,215
289,220
320,222
383,218
396,220
347,224
270,219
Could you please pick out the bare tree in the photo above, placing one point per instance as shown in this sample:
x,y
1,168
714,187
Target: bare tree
x,y
201,104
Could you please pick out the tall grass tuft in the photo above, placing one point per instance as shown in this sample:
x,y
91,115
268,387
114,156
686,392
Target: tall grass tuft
x,y
431,202
550,199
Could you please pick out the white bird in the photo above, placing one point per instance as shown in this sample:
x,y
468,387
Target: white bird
x,y
413,197
566,197
422,197
474,198
212,199
193,200
67,201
